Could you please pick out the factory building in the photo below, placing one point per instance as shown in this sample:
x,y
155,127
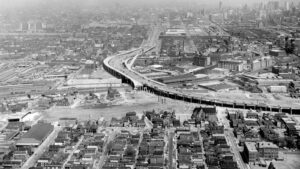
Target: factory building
x,y
94,83
89,64
262,63
202,61
27,87
232,65
183,78
277,89
36,135
277,53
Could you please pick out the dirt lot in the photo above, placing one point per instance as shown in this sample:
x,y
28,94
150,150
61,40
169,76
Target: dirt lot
x,y
253,98
138,102
292,159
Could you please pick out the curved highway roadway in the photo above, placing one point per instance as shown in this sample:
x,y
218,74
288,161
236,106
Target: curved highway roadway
x,y
120,66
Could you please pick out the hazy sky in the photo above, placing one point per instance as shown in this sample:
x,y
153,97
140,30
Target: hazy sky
x,y
26,2
23,3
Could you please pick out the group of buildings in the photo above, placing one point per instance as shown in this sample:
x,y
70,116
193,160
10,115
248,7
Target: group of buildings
x,y
189,149
130,120
263,135
76,145
21,141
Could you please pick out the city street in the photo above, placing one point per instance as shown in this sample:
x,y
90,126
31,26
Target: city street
x,y
232,143
41,149
74,149
172,162
109,137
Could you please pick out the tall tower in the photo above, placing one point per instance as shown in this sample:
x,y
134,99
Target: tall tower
x,y
220,5
24,26
287,5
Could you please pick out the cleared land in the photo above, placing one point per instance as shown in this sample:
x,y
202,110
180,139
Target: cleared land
x,y
138,102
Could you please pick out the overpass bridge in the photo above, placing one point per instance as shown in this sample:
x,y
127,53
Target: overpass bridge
x,y
120,66
138,82
119,73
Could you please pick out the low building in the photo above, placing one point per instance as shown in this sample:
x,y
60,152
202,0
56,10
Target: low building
x,y
67,122
94,83
220,71
36,135
277,53
277,89
217,86
183,78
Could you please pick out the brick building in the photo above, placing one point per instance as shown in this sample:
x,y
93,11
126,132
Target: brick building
x,y
250,152
268,150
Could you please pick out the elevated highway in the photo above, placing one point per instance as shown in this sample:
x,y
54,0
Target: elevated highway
x,y
118,66
119,73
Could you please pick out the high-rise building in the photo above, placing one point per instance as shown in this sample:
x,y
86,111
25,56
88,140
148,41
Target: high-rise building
x,y
287,5
273,5
220,5
24,26
32,26
39,26
210,17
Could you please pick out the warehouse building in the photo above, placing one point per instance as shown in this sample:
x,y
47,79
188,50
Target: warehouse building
x,y
183,78
36,135
232,65
277,89
262,63
94,83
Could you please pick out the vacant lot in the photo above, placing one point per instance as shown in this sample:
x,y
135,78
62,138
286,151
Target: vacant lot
x,y
138,102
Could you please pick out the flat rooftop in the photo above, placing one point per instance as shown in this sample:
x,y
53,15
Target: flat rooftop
x,y
196,31
267,145
175,31
251,146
